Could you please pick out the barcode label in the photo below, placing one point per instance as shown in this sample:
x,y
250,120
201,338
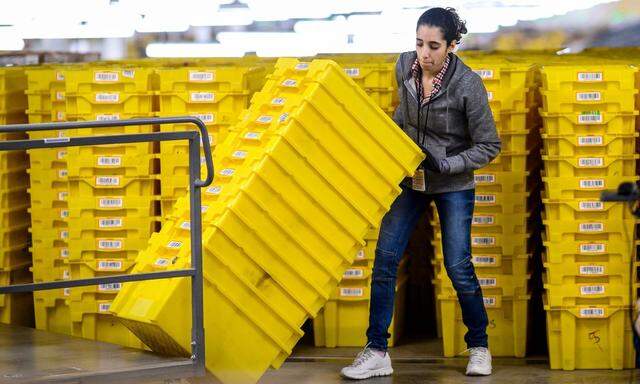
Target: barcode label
x,y
202,97
485,199
64,213
589,76
591,227
61,155
589,118
352,72
63,195
66,275
162,262
60,116
60,96
252,135
186,225
360,254
108,117
590,162
227,172
585,141
59,76
487,281
204,208
105,77
592,269
113,287
489,301
64,253
483,241
107,97
485,178
485,73
173,244
302,66
66,291
214,190
130,73
110,203
592,184
64,234
283,117
484,220
264,119
351,292
290,83
207,118
588,96
591,312
109,265
110,244
108,180
490,95
115,222
63,173
484,260
592,290
104,307
198,76
593,248
591,205
111,161
239,154
278,101
353,273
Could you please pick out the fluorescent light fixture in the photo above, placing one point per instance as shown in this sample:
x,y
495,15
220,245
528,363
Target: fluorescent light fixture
x,y
10,40
192,50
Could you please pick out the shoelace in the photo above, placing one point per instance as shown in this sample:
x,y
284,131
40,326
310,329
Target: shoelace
x,y
476,356
363,356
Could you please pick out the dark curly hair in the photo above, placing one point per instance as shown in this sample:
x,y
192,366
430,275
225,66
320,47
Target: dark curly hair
x,y
448,20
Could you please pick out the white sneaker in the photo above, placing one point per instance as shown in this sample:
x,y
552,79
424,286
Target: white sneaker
x,y
479,362
368,364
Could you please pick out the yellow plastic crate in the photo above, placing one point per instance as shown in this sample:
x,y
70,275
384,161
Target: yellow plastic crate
x,y
501,181
371,75
12,118
582,187
105,247
56,318
586,267
112,185
101,326
213,78
260,295
493,223
97,268
113,226
589,123
590,145
13,78
16,309
585,210
588,77
13,101
580,290
491,243
514,142
109,103
195,102
511,100
500,74
587,166
114,203
12,258
571,101
507,333
612,229
14,178
513,162
488,265
13,198
507,203
111,79
112,164
589,337
581,250
343,321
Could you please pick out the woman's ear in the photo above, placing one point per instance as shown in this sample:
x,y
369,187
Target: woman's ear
x,y
452,47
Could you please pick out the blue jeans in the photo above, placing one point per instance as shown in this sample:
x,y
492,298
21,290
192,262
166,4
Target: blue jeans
x,y
455,210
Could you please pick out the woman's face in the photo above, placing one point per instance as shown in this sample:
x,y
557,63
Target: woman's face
x,y
432,48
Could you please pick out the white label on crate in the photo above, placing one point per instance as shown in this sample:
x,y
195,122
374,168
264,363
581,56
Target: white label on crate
x,y
592,184
214,190
60,116
227,172
353,273
129,73
207,118
107,97
201,76
590,162
490,95
489,301
487,281
66,275
589,76
278,101
202,97
59,76
591,312
63,173
483,220
108,117
173,244
64,235
588,96
113,222
483,241
50,140
485,178
63,195
352,72
264,119
592,290
104,307
186,225
591,227
204,208
210,140
162,262
302,66
590,118
112,287
351,292
484,73
591,205
593,248
290,83
486,199
283,117
240,154
360,254
252,135
484,260
113,161
109,265
110,244
64,213
66,291
110,202
592,269
60,96
61,155
585,141
105,77
64,253
108,180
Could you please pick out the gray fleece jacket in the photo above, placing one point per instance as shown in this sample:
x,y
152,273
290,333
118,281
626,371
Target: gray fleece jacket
x,y
460,131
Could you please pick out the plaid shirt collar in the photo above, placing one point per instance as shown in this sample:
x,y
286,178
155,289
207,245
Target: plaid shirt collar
x,y
416,71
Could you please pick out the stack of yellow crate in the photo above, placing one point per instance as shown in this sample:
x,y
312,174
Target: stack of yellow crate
x,y
14,202
113,189
49,193
505,201
216,94
299,182
589,145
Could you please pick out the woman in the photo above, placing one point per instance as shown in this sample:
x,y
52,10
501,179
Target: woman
x,y
444,108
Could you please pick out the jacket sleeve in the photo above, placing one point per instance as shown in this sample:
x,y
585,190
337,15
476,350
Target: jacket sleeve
x,y
482,129
398,115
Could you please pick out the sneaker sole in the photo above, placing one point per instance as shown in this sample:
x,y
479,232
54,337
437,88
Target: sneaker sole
x,y
478,373
370,374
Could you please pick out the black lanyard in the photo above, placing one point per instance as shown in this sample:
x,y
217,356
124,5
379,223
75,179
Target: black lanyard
x,y
422,131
